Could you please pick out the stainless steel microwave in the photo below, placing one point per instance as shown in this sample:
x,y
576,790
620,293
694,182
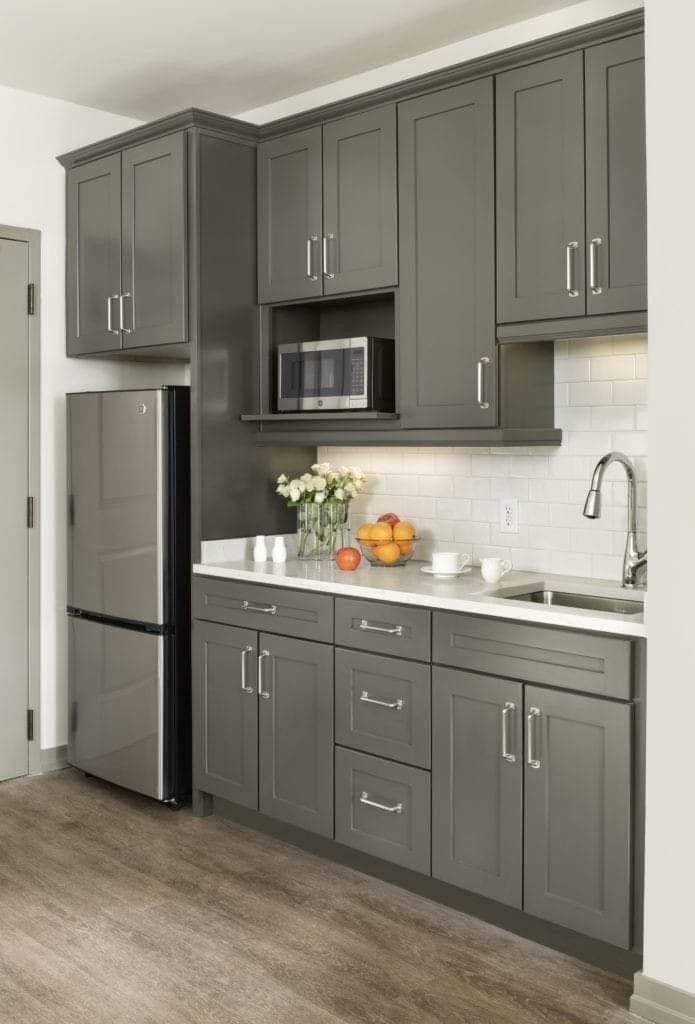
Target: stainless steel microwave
x,y
343,373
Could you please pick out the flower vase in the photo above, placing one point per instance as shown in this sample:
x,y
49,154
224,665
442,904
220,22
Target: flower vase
x,y
321,528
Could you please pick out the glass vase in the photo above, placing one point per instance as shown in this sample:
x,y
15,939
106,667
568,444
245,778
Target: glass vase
x,y
321,529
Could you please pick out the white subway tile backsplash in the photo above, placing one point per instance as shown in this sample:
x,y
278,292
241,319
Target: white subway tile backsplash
x,y
453,494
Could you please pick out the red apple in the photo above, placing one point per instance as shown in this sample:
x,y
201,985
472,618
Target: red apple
x,y
347,559
389,517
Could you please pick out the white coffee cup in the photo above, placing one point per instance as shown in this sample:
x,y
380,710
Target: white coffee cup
x,y
448,562
493,569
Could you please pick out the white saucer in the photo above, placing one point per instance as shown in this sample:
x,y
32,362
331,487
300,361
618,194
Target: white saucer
x,y
446,575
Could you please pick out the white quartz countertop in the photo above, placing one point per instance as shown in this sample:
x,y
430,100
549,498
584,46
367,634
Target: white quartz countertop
x,y
468,593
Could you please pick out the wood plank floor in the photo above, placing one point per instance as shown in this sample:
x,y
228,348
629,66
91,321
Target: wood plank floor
x,y
114,909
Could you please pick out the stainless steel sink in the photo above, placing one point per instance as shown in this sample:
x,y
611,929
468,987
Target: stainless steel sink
x,y
556,598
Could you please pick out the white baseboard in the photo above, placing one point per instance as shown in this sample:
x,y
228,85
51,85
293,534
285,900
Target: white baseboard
x,y
661,1003
54,758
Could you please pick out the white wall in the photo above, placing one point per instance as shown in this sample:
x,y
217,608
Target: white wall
x,y
669,953
32,194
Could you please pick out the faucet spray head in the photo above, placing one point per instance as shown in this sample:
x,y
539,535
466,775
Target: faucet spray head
x,y
592,505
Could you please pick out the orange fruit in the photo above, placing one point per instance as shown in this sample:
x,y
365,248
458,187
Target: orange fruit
x,y
388,553
406,547
364,532
403,531
381,532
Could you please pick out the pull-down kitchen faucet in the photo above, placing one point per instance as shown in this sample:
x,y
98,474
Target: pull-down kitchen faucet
x,y
634,560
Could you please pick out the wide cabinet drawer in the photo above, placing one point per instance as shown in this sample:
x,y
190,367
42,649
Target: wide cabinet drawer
x,y
290,612
565,658
383,628
383,808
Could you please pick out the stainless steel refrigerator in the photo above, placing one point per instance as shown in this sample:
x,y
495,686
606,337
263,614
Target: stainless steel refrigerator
x,y
129,588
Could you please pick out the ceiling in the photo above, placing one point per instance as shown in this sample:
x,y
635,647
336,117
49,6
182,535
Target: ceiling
x,y
147,58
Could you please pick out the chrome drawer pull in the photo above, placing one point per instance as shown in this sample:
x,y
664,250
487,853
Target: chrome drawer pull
x,y
570,251
596,288
392,705
261,692
480,383
266,609
531,759
390,630
507,712
109,316
121,314
311,276
244,688
390,808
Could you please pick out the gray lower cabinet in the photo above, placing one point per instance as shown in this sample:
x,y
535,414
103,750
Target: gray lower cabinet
x,y
477,783
616,178
383,808
225,734
447,258
540,190
577,849
295,732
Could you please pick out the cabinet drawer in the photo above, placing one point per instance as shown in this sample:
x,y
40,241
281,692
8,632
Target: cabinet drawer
x,y
290,612
383,628
383,808
537,654
382,706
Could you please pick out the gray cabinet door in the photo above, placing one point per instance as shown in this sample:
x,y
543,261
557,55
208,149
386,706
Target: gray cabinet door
x,y
477,780
225,713
577,848
359,201
540,190
155,303
295,687
616,176
290,217
447,256
93,256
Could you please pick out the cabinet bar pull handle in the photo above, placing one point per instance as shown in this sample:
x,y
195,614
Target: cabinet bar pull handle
x,y
596,288
266,609
244,688
326,272
390,630
265,694
392,705
109,316
389,808
569,268
121,314
480,383
507,712
311,276
531,759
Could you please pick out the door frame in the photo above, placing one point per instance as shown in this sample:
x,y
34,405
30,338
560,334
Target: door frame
x,y
33,239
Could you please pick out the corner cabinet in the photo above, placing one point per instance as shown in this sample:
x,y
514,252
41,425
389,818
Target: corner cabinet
x,y
126,250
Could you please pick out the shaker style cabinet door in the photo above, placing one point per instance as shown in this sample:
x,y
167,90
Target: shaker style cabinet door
x,y
155,300
447,258
295,699
225,712
616,178
540,191
359,202
290,217
577,852
477,780
93,256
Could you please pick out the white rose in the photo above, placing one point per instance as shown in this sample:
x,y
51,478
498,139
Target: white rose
x,y
282,479
319,483
319,497
340,493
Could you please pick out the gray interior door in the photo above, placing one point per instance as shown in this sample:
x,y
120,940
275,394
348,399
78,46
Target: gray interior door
x,y
115,728
93,256
225,729
477,782
447,256
117,496
616,176
290,217
577,836
360,201
296,732
155,306
14,549
540,190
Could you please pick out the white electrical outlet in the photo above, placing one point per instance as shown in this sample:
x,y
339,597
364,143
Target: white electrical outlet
x,y
509,515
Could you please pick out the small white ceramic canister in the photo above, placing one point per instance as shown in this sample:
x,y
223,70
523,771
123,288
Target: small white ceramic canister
x,y
260,551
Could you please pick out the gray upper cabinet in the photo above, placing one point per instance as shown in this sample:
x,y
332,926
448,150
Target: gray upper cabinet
x,y
477,780
540,190
93,256
616,185
359,201
154,243
290,221
295,687
578,813
447,258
